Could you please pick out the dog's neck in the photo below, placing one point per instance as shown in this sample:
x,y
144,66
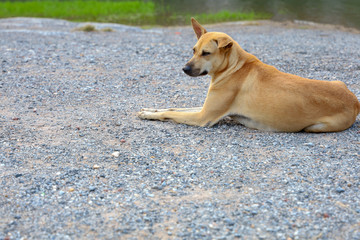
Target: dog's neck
x,y
232,64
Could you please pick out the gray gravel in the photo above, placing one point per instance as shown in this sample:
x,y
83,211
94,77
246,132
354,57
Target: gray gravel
x,y
76,162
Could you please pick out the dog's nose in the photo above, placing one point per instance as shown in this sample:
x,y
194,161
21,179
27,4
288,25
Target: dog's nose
x,y
187,69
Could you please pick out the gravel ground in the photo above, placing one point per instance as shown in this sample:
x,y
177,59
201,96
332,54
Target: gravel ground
x,y
76,162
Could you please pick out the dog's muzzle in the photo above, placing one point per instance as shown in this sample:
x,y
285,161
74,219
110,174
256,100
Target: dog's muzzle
x,y
193,72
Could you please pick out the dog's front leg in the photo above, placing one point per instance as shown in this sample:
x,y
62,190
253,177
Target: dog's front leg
x,y
194,109
215,108
189,116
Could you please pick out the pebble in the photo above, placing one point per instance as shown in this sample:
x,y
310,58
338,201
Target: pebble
x,y
229,222
61,193
115,154
309,144
157,187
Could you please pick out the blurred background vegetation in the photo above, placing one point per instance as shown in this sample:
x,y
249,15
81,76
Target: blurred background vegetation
x,y
178,12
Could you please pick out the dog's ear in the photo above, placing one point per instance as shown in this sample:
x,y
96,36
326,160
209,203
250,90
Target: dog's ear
x,y
224,43
198,29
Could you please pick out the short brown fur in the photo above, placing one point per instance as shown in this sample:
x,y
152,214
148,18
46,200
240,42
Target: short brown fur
x,y
258,95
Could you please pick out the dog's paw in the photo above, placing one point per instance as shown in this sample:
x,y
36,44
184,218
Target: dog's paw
x,y
149,110
144,114
141,114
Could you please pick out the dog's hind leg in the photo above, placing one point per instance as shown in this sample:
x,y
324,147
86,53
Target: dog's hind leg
x,y
318,127
335,123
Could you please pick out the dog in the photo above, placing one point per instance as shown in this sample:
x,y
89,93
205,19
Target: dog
x,y
258,95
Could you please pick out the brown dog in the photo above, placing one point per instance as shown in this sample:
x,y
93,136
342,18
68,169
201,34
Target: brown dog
x,y
258,95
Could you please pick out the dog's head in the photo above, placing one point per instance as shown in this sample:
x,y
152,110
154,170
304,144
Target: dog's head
x,y
209,52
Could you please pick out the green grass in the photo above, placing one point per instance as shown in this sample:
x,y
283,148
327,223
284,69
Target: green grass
x,y
226,16
129,12
125,12
206,18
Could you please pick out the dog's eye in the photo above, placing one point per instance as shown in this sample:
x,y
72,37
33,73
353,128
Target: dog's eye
x,y
205,53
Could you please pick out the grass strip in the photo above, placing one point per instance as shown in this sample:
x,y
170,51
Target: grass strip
x,y
129,12
226,16
124,12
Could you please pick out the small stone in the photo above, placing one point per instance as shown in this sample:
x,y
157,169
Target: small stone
x,y
158,187
115,154
96,166
229,222
340,190
238,235
309,144
71,189
92,188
